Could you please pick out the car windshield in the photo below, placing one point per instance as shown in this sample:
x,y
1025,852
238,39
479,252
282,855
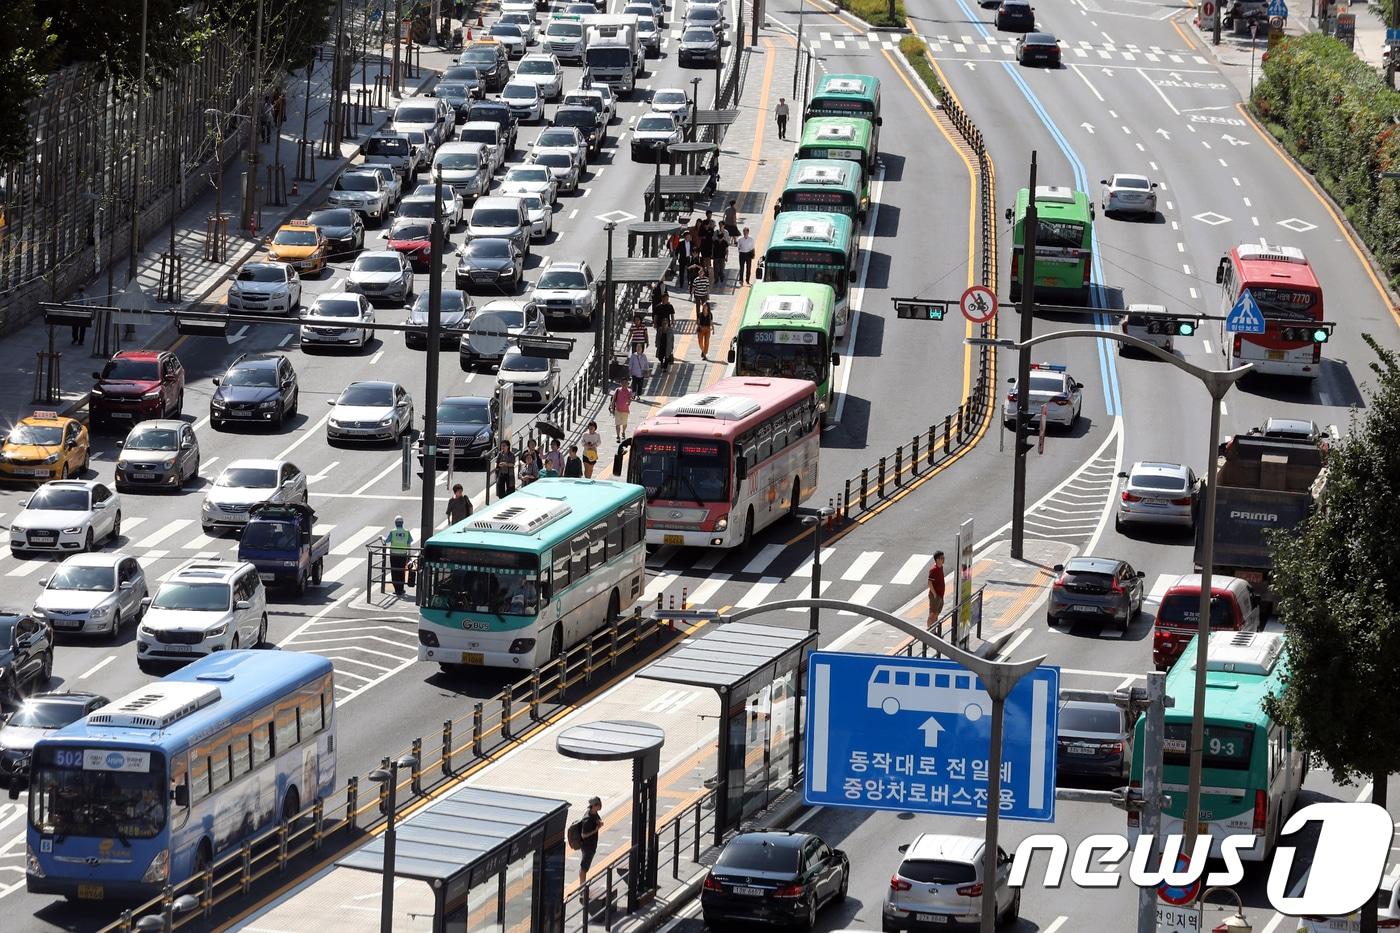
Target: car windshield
x,y
1041,38
473,580
1062,234
1125,181
410,231
453,303
464,412
509,30
562,278
138,370
554,159
415,114
380,145
195,597
1105,720
1047,384
46,714
78,577
276,536
646,26
479,135
703,14
452,90
416,208
366,394
261,273
489,247
459,160
295,238
937,871
357,181
520,363
59,499
335,307
683,469
533,203
146,438
698,35
417,137
1158,481
575,117
508,318
656,124
557,139
745,855
40,434
236,477
339,217
462,73
377,264
495,217
608,56
485,55
537,67
251,376
564,30
520,92
669,98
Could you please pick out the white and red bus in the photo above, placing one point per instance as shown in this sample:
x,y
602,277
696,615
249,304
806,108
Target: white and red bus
x,y
722,464
1282,283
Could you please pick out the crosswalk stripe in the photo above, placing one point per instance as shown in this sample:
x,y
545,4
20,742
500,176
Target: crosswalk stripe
x,y
763,558
354,541
321,528
806,569
709,561
1176,59
1151,57
1129,56
164,532
26,568
706,590
911,569
758,593
1081,53
1199,60
863,596
657,586
201,542
342,570
131,522
861,565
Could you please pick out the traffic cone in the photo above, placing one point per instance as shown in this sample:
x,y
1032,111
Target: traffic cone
x,y
469,34
295,189
479,23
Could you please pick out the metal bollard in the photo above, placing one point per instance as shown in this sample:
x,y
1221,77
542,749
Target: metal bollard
x,y
535,694
447,748
416,781
281,845
914,457
676,849
898,465
318,823
352,800
245,874
962,428
880,480
932,443
505,712
947,433
864,485
695,856
685,592
476,730
612,646
208,894
588,662
846,502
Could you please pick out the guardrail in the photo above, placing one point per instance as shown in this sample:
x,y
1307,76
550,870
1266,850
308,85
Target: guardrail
x,y
337,821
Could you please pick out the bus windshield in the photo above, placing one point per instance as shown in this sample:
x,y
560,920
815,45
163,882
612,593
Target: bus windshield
x,y
1287,303
1060,234
684,470
788,354
71,800
459,579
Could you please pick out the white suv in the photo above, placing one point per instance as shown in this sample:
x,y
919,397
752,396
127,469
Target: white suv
x,y
205,606
939,881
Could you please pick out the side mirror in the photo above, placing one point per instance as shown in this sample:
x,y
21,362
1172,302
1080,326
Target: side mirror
x,y
1154,184
1220,271
1103,181
18,783
1058,568
187,445
330,401
145,603
1122,474
181,795
741,469
97,375
1079,385
759,274
1012,380
731,356
43,581
1010,215
1142,574
216,380
835,359
243,604
125,585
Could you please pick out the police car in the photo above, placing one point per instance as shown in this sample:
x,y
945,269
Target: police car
x,y
1052,387
44,446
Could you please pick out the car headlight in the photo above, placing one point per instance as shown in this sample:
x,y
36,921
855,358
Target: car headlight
x,y
38,613
264,405
159,869
74,530
334,423
168,462
217,632
154,393
51,458
385,422
146,632
207,506
217,402
97,392
722,523
98,612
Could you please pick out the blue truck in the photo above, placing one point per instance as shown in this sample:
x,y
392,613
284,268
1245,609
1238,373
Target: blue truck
x,y
279,540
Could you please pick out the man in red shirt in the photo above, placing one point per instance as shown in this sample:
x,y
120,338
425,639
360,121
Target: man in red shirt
x,y
936,587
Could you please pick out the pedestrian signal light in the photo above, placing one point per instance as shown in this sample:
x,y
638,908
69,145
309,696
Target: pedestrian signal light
x,y
921,310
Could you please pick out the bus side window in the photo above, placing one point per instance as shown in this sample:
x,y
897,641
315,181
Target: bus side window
x,y
941,681
218,765
579,546
199,776
921,680
328,701
616,522
310,713
261,738
780,433
597,545
561,569
284,731
240,755
901,678
636,530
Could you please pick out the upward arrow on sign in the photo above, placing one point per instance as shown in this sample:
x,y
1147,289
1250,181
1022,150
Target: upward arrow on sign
x,y
930,729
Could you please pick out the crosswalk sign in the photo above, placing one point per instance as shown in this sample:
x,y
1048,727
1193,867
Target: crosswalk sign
x,y
1278,8
1245,317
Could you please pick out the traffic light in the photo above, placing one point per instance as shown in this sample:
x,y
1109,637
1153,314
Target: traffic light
x,y
1175,326
1308,333
920,310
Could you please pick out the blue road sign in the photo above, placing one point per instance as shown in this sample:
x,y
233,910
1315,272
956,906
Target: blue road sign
x,y
913,734
1278,8
1392,36
1245,317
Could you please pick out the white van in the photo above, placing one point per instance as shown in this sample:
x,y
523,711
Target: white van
x,y
206,606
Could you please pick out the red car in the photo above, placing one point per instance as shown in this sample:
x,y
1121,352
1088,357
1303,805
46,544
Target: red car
x,y
136,385
413,238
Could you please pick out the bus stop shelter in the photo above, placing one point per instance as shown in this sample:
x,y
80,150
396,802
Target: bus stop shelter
x,y
493,859
760,674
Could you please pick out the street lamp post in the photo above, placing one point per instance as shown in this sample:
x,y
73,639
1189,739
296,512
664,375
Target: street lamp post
x,y
136,156
388,774
250,184
1023,371
801,15
604,323
1217,383
815,523
694,106
435,258
1237,923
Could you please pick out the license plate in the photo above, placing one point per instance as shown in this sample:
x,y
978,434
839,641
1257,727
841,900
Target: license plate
x,y
1088,609
42,539
241,414
267,577
1276,354
33,472
67,623
91,892
1081,750
748,892
674,539
176,649
143,476
931,918
121,414
473,657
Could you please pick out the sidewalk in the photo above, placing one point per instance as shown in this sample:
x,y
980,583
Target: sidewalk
x,y
201,278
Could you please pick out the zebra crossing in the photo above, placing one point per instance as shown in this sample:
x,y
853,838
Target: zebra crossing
x,y
1004,46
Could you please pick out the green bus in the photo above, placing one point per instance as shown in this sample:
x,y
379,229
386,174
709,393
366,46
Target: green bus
x,y
812,246
788,330
847,95
848,138
1064,243
1251,769
829,185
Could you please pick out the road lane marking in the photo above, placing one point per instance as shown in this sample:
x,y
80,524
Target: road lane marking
x,y
97,667
310,430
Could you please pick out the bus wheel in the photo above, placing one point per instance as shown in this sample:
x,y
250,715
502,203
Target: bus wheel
x,y
556,642
796,493
291,805
202,859
748,527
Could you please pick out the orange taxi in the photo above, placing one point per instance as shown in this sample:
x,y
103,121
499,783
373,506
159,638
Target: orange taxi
x,y
301,245
45,446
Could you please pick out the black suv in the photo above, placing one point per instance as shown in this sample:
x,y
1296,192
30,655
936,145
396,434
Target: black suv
x,y
499,113
585,120
39,716
256,389
26,653
1016,16
491,60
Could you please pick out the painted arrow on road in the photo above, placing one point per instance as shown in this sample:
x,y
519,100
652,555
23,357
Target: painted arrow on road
x,y
971,66
1174,75
1233,141
234,338
930,729
1107,72
1163,133
1089,127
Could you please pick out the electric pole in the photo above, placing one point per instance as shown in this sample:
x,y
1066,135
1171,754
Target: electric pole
x,y
1029,228
435,256
136,155
398,41
250,186
1215,23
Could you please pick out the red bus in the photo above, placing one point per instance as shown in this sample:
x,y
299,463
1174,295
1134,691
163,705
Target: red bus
x,y
1282,283
720,465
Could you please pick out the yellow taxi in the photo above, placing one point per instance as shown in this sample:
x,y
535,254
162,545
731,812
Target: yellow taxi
x,y
45,446
299,244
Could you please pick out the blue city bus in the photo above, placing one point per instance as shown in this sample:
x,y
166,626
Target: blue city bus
x,y
153,788
526,578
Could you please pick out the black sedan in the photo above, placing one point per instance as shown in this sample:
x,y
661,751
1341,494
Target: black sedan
x,y
343,229
1016,16
493,263
40,715
458,95
26,653
256,389
457,311
464,430
774,877
1038,48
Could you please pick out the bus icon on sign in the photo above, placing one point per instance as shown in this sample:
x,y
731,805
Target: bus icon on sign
x,y
895,687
